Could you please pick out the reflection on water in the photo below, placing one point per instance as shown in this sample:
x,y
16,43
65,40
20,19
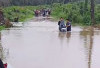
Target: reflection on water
x,y
87,35
63,35
68,35
39,45
88,43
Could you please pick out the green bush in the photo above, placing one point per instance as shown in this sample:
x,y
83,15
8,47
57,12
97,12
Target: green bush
x,y
16,11
76,12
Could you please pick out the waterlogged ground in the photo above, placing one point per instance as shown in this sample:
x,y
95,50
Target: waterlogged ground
x,y
39,44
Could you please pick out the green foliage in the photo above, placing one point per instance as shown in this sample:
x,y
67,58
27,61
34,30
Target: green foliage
x,y
39,2
15,11
76,12
2,27
97,14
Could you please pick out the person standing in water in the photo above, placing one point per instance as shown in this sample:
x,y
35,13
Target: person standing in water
x,y
68,25
61,24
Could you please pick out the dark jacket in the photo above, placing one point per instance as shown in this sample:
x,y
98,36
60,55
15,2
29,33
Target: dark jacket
x,y
68,26
59,23
1,64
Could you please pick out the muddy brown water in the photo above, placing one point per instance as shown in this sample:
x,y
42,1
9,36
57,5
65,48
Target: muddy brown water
x,y
39,44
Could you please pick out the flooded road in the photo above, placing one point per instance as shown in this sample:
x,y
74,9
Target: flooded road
x,y
39,44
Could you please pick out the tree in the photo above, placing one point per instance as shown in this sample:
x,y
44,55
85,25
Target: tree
x,y
86,5
38,2
92,12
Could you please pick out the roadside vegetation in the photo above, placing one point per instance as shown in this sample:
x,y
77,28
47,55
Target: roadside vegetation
x,y
22,13
2,27
76,12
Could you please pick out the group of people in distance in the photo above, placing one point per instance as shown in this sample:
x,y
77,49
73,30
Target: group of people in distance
x,y
42,12
63,27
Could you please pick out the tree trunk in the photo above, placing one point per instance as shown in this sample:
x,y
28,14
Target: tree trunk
x,y
92,12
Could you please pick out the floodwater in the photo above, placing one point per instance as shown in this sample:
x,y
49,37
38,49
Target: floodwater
x,y
39,44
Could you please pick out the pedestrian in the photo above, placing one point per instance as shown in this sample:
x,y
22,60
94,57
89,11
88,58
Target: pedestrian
x,y
68,25
48,12
61,24
1,64
44,13
36,13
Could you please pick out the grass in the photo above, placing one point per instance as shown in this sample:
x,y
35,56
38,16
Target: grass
x,y
2,27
